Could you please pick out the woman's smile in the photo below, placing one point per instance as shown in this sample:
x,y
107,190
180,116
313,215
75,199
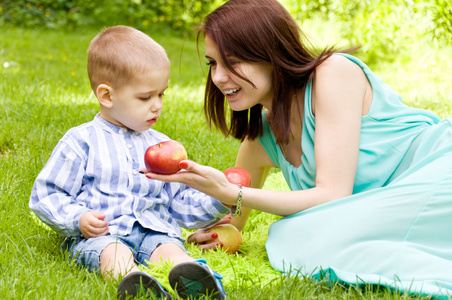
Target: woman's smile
x,y
231,92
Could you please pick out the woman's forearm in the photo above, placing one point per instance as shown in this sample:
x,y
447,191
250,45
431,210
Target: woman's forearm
x,y
285,203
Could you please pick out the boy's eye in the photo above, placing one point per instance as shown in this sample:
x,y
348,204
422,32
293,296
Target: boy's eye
x,y
145,98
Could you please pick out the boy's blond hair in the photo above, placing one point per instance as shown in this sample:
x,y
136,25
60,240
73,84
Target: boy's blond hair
x,y
119,53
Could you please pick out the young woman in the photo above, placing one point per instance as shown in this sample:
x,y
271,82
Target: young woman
x,y
370,178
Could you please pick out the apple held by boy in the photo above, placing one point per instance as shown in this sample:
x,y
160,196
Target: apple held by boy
x,y
164,157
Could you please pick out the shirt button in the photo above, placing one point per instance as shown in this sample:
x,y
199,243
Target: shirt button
x,y
124,130
134,172
129,146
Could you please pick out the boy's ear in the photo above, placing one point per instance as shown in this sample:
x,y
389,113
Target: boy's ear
x,y
103,93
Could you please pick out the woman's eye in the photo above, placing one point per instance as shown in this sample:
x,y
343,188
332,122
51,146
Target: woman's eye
x,y
210,63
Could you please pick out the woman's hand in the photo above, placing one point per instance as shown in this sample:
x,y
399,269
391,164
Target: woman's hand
x,y
202,178
204,239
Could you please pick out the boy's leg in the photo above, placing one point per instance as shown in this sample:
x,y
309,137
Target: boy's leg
x,y
188,277
117,259
171,252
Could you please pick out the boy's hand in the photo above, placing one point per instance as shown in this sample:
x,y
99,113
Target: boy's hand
x,y
92,224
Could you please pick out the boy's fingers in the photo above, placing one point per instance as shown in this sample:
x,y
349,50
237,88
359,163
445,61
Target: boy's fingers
x,y
97,231
99,223
99,215
97,220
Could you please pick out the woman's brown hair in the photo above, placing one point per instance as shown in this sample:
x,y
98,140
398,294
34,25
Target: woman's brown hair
x,y
259,31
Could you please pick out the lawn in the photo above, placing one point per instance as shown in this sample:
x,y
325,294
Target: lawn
x,y
44,91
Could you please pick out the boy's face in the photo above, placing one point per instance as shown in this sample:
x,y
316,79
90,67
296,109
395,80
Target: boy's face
x,y
138,104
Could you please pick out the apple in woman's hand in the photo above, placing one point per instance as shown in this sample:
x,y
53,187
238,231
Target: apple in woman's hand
x,y
164,157
229,236
238,175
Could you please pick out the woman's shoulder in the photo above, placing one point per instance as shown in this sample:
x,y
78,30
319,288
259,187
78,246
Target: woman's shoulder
x,y
339,65
338,71
337,80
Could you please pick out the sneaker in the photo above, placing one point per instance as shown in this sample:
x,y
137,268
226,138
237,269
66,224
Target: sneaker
x,y
193,279
142,283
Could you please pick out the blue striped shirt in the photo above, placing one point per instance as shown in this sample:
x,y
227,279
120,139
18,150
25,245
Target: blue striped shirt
x,y
95,166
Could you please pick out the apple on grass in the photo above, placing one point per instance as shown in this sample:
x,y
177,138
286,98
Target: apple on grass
x,y
165,157
229,236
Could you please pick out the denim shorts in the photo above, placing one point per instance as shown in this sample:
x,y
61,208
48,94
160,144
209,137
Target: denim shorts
x,y
141,241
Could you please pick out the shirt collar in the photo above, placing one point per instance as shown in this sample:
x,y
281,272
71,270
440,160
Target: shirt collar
x,y
115,128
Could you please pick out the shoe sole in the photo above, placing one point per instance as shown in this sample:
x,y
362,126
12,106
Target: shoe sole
x,y
138,282
190,279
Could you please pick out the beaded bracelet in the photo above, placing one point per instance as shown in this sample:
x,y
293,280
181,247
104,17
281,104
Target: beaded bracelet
x,y
236,210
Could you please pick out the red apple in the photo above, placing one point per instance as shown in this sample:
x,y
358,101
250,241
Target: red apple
x,y
229,236
164,157
238,175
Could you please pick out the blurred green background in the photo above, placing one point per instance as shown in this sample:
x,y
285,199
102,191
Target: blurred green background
x,y
383,27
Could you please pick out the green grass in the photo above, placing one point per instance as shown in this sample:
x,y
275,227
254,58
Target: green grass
x,y
44,91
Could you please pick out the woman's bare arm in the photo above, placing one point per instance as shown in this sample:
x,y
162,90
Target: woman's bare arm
x,y
338,91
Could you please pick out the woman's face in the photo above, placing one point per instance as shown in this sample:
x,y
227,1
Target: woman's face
x,y
240,94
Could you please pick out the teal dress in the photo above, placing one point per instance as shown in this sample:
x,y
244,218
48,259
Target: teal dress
x,y
396,228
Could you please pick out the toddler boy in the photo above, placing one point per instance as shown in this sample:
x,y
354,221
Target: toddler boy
x,y
91,190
